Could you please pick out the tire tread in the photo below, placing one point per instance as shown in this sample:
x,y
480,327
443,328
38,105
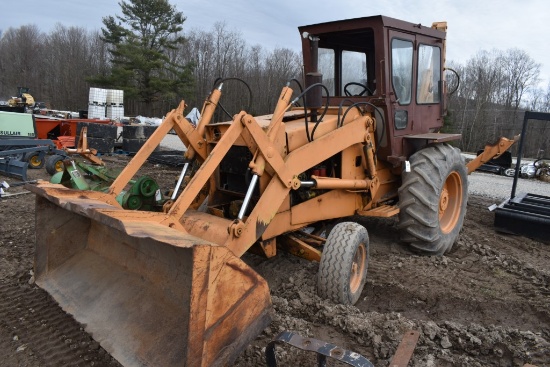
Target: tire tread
x,y
419,198
338,254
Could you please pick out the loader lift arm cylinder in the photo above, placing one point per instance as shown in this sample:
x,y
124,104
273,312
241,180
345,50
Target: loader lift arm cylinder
x,y
206,116
258,164
180,179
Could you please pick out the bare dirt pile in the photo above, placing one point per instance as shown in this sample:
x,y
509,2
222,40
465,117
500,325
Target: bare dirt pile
x,y
484,304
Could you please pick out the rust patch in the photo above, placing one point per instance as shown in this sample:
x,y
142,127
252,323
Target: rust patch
x,y
260,228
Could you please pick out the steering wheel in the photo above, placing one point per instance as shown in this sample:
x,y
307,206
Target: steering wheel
x,y
365,90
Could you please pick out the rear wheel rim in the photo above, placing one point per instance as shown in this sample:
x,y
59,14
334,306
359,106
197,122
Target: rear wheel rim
x,y
358,267
450,202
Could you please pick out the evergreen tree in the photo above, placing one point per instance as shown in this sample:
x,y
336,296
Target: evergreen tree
x,y
140,43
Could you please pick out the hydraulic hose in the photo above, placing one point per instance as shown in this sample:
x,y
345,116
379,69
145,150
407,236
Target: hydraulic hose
x,y
341,122
302,95
223,80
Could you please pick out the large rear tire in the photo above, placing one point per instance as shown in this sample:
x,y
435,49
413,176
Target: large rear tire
x,y
432,199
344,262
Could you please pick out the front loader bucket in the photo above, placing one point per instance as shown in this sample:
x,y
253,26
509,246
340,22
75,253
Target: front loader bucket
x,y
149,294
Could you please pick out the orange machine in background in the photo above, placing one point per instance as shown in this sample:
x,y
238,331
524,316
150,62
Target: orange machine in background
x,y
61,131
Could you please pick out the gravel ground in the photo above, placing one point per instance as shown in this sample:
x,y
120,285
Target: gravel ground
x,y
500,187
172,142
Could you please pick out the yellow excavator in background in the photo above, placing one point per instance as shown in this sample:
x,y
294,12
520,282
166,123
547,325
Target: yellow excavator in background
x,y
23,100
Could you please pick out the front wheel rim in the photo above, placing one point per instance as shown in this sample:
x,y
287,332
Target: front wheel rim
x,y
358,267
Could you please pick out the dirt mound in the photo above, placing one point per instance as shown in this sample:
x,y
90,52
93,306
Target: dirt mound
x,y
484,304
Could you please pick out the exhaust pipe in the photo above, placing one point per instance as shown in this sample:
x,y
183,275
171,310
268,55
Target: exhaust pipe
x,y
314,97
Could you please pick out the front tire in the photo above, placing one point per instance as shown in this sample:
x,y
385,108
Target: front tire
x,y
432,199
344,262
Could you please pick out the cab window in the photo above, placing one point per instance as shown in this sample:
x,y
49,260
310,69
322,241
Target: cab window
x,y
326,67
354,73
429,64
402,70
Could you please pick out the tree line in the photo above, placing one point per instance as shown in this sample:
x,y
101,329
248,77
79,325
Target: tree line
x,y
488,99
491,91
62,65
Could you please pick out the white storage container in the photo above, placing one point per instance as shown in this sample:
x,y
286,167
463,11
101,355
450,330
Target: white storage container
x,y
96,112
97,97
115,112
115,97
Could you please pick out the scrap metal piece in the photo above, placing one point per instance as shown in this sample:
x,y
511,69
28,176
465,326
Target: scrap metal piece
x,y
322,349
526,214
405,350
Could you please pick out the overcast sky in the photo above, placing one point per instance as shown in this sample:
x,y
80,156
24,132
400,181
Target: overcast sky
x,y
473,25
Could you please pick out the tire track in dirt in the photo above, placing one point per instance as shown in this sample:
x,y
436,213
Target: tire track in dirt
x,y
42,330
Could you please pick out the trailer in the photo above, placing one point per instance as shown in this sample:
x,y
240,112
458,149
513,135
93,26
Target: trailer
x,y
19,147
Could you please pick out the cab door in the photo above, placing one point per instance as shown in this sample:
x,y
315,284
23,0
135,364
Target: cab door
x,y
402,79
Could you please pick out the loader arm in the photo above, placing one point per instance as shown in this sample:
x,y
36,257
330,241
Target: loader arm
x,y
174,120
244,234
192,138
491,151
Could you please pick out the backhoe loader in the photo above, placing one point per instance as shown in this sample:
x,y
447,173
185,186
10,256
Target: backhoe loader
x,y
169,288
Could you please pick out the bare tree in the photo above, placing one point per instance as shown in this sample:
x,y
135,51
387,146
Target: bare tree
x,y
539,133
479,83
67,59
20,60
223,53
491,94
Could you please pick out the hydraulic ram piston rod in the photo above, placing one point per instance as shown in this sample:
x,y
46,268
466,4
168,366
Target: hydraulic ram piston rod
x,y
248,196
180,179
